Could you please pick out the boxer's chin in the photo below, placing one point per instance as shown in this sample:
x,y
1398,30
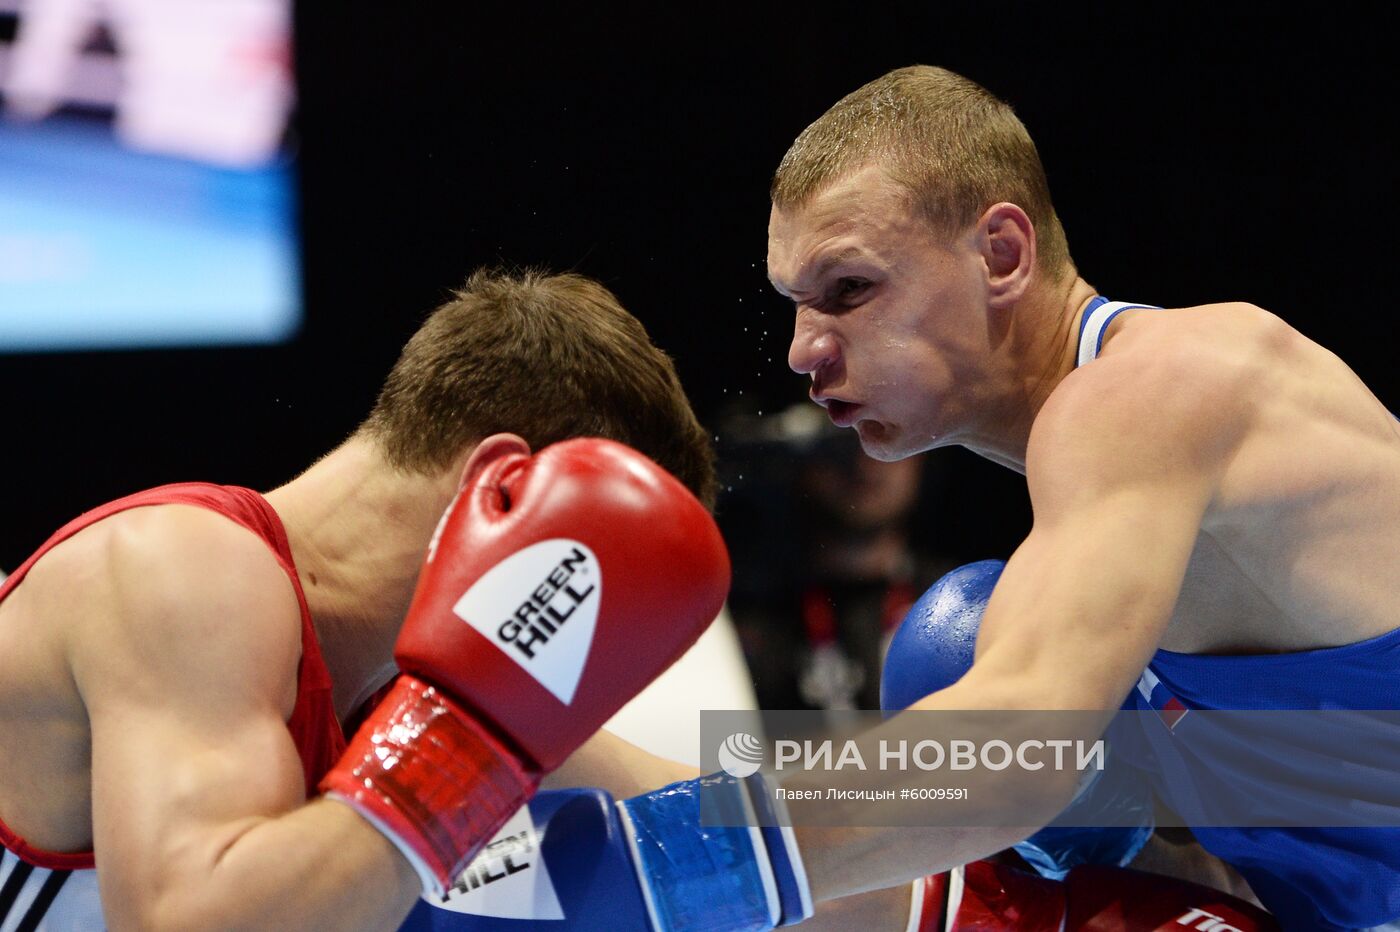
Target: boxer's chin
x,y
881,441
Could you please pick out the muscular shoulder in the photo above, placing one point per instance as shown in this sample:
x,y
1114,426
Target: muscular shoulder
x,y
1227,347
1171,395
185,600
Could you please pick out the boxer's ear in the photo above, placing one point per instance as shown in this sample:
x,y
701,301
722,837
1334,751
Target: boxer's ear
x,y
488,451
1006,238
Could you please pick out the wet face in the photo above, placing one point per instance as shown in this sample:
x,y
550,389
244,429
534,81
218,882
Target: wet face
x,y
891,319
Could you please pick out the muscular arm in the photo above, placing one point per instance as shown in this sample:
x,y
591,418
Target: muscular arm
x,y
1122,465
199,815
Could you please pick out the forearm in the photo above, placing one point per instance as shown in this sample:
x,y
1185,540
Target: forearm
x,y
845,862
319,866
877,911
876,836
618,766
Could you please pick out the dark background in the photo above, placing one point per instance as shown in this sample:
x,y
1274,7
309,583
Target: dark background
x,y
1194,156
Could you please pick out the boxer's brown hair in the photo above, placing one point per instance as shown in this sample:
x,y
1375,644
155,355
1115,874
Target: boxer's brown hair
x,y
951,143
544,356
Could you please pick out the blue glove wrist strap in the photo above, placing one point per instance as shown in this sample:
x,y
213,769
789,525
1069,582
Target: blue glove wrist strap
x,y
789,874
700,877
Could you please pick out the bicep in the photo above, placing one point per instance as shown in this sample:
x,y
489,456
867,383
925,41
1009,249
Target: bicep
x,y
169,799
185,679
1120,483
1085,599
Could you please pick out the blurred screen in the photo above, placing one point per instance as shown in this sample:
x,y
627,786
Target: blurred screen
x,y
147,197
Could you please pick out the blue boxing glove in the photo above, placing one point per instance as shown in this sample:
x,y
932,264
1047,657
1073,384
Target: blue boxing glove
x,y
576,861
560,863
934,644
934,647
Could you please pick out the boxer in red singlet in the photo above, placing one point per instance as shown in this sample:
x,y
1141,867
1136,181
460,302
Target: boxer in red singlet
x,y
175,666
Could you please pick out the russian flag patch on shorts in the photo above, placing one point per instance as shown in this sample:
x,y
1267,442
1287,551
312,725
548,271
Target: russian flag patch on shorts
x,y
1169,709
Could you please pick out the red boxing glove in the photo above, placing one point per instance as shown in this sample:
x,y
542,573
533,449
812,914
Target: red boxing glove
x,y
988,897
1115,899
555,588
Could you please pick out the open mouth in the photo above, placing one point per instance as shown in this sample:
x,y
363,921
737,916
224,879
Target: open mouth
x,y
842,413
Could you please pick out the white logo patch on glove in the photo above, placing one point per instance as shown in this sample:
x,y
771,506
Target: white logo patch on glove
x,y
540,607
509,879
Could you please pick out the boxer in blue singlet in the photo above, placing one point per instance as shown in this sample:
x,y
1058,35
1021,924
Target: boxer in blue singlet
x,y
1216,500
1216,497
1308,872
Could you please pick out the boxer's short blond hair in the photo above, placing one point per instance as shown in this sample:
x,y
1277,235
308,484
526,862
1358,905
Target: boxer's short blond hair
x,y
952,144
548,357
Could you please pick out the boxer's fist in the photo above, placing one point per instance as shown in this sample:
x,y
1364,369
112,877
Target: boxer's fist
x,y
556,587
934,644
559,586
561,864
574,861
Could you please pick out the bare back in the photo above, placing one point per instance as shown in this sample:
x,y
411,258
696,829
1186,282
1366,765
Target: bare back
x,y
45,793
1297,547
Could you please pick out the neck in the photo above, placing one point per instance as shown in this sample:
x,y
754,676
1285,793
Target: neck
x,y
1036,350
358,529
